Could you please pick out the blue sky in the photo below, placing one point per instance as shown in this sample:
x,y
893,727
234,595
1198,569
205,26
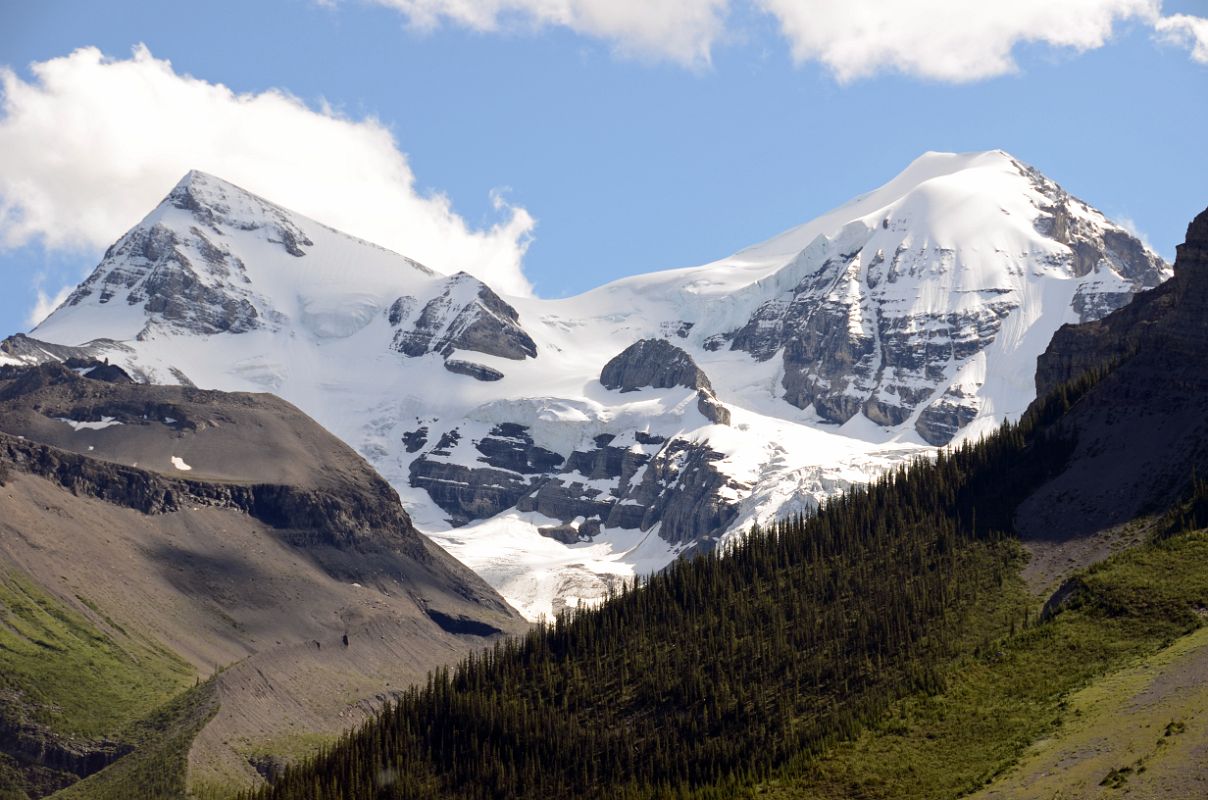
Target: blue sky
x,y
628,157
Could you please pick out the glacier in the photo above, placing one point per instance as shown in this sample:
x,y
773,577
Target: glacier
x,y
907,319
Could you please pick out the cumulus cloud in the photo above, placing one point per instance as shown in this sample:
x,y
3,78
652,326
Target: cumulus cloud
x,y
1186,31
954,41
947,40
91,144
683,31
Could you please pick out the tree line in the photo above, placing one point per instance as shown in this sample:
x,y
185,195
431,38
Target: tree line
x,y
717,671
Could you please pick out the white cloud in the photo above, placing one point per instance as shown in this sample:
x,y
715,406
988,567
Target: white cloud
x,y
679,30
954,41
91,144
46,304
947,40
1186,31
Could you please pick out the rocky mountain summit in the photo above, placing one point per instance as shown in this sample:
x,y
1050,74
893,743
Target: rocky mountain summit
x,y
179,275
854,339
560,446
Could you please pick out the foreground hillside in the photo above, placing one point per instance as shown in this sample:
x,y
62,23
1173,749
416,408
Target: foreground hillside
x,y
887,647
155,537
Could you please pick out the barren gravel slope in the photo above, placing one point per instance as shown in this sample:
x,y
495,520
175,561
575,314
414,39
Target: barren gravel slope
x,y
314,625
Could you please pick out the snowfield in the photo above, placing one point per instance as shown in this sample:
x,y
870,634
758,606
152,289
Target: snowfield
x,y
947,282
85,425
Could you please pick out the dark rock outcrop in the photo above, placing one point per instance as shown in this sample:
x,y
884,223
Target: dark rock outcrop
x,y
478,372
466,315
509,446
681,489
416,439
467,493
651,481
151,267
565,533
46,761
41,750
655,363
110,373
940,421
711,408
1065,596
513,466
678,486
562,497
602,462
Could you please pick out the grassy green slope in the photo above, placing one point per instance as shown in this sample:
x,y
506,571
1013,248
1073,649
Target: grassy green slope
x,y
1142,729
157,768
1036,691
66,682
60,670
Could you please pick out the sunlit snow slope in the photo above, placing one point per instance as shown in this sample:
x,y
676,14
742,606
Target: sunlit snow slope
x,y
910,317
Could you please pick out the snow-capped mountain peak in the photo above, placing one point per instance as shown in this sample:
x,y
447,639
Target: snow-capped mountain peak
x,y
213,258
558,446
933,182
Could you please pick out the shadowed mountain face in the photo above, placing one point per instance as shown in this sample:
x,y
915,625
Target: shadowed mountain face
x,y
229,530
1143,430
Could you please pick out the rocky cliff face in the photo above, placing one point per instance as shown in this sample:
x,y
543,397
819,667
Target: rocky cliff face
x,y
655,363
1142,432
856,335
506,466
684,493
658,364
636,481
46,761
466,315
